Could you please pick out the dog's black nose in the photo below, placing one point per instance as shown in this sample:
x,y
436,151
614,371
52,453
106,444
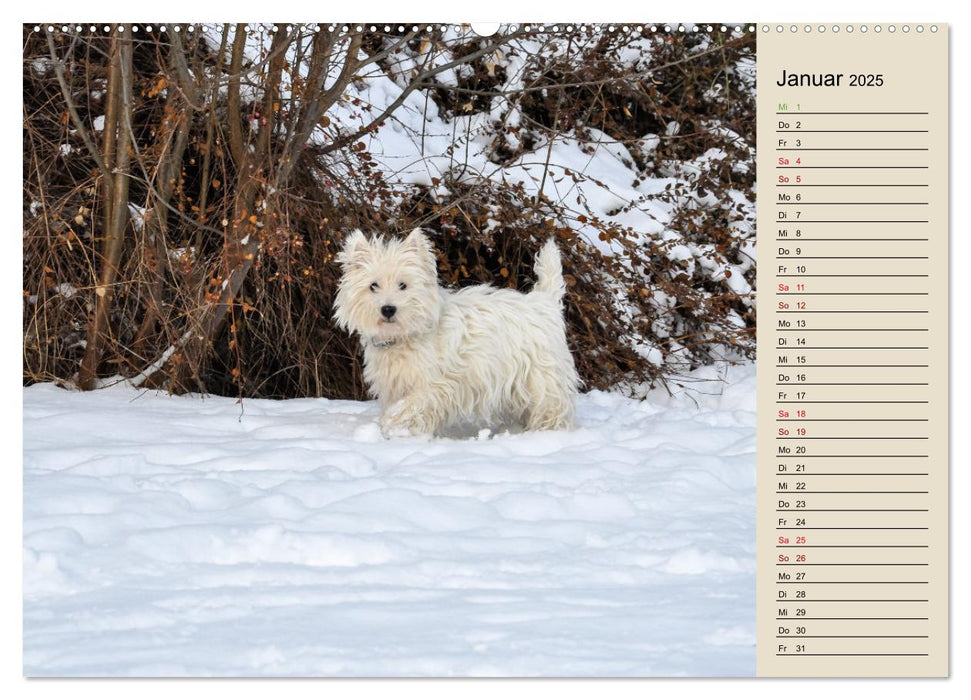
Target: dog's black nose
x,y
388,311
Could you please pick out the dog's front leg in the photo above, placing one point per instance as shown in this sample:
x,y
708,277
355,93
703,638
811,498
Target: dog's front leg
x,y
418,413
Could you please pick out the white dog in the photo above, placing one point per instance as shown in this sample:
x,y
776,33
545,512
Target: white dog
x,y
436,358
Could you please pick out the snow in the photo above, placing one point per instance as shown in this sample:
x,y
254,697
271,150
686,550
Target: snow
x,y
137,215
146,373
180,535
42,66
66,290
418,144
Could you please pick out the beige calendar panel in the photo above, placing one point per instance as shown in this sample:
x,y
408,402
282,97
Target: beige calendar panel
x,y
852,339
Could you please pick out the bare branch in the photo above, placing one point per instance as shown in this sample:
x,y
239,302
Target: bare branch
x,y
72,110
417,83
319,105
232,98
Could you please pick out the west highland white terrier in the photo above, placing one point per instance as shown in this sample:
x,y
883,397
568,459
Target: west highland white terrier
x,y
436,358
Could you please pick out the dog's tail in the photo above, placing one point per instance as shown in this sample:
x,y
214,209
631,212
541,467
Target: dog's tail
x,y
549,270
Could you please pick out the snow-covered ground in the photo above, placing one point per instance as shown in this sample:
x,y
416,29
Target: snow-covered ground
x,y
199,536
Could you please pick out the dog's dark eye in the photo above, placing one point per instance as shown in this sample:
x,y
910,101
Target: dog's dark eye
x,y
374,286
402,286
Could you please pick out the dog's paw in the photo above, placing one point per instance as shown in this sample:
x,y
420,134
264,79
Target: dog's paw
x,y
393,429
403,419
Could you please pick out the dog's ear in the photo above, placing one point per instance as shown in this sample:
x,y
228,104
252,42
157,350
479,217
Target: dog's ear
x,y
417,241
356,246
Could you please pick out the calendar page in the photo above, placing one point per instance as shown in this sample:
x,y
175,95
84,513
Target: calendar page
x,y
555,350
853,350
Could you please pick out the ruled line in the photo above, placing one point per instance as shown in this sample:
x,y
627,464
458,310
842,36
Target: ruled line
x,y
852,257
854,654
800,113
852,221
878,150
854,546
853,618
853,600
800,492
800,239
852,167
851,636
851,384
853,563
849,204
855,311
853,437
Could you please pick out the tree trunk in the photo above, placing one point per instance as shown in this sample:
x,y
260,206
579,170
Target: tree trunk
x,y
173,140
117,156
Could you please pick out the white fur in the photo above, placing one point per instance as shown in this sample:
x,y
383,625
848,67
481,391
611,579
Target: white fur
x,y
476,355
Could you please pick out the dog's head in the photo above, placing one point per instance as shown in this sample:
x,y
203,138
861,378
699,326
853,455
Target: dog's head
x,y
389,288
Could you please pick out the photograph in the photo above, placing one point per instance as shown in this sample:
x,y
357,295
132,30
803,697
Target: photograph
x,y
389,350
